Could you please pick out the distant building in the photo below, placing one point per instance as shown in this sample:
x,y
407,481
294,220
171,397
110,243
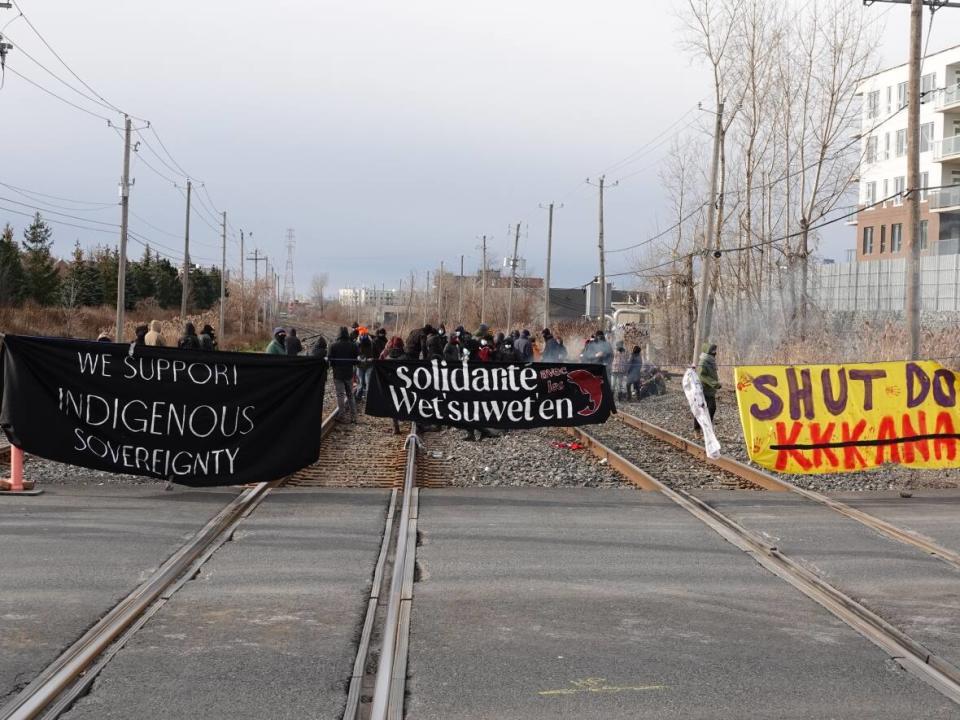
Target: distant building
x,y
365,297
882,228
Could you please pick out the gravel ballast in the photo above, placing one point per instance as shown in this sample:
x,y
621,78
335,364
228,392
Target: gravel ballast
x,y
671,412
520,458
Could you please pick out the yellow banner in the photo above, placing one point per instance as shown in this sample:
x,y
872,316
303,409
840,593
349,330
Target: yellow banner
x,y
845,418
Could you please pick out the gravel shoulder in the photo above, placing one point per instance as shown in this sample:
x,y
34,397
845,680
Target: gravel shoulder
x,y
671,412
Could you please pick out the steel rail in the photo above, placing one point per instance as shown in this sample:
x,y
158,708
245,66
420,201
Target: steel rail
x,y
771,482
389,684
72,671
910,654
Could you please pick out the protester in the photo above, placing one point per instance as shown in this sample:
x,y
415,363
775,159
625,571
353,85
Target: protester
x,y
485,353
343,358
319,349
602,351
434,345
452,350
189,339
619,370
208,341
709,379
379,342
277,346
634,372
524,347
394,352
140,335
153,337
654,383
292,344
365,358
507,353
416,345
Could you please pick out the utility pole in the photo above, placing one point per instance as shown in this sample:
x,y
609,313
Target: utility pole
x,y
460,294
603,272
223,272
242,263
546,275
124,211
440,294
513,278
289,286
256,260
426,294
483,282
912,300
705,315
185,284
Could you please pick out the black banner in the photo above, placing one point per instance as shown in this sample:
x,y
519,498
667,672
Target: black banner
x,y
490,394
197,418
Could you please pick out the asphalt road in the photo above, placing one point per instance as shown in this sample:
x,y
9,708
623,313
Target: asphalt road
x,y
910,589
269,628
618,604
69,555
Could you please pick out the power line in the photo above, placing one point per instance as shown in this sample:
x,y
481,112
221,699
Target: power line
x,y
58,97
26,192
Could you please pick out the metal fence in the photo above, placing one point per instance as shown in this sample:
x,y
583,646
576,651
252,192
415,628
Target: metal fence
x,y
879,284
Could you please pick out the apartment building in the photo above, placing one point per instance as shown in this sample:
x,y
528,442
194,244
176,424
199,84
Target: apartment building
x,y
882,227
364,296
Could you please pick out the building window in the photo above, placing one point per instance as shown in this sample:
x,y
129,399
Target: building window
x,y
889,99
901,95
873,104
871,149
928,83
886,146
871,197
924,184
923,234
886,191
901,143
883,239
926,137
868,241
896,237
898,187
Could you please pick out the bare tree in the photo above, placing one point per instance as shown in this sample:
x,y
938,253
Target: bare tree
x,y
318,287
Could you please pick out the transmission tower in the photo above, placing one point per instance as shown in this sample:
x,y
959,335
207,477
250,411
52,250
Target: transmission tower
x,y
289,290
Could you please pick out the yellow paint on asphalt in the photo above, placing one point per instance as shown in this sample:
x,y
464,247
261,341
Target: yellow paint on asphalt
x,y
598,685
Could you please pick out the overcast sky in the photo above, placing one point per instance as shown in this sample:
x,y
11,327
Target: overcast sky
x,y
389,135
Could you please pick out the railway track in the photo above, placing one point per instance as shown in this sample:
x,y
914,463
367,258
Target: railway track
x,y
905,650
70,675
767,481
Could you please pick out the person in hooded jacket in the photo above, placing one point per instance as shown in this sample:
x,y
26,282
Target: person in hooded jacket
x,y
319,347
394,352
416,345
507,353
140,335
434,346
153,337
709,379
343,357
524,346
292,345
452,350
621,361
277,346
365,358
208,341
634,372
379,342
551,348
189,339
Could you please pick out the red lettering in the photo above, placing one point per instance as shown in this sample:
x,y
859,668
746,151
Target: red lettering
x,y
818,436
851,455
944,427
887,431
791,439
921,446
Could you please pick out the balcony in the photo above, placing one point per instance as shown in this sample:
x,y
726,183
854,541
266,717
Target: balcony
x,y
947,149
948,99
945,199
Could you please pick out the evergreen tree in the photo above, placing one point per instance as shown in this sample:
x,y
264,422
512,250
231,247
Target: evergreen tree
x,y
41,278
11,269
82,286
141,276
106,261
166,282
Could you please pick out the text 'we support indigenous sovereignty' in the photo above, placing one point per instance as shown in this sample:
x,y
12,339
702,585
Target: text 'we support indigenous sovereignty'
x,y
844,418
195,418
491,395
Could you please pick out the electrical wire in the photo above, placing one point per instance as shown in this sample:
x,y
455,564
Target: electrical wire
x,y
58,97
26,192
